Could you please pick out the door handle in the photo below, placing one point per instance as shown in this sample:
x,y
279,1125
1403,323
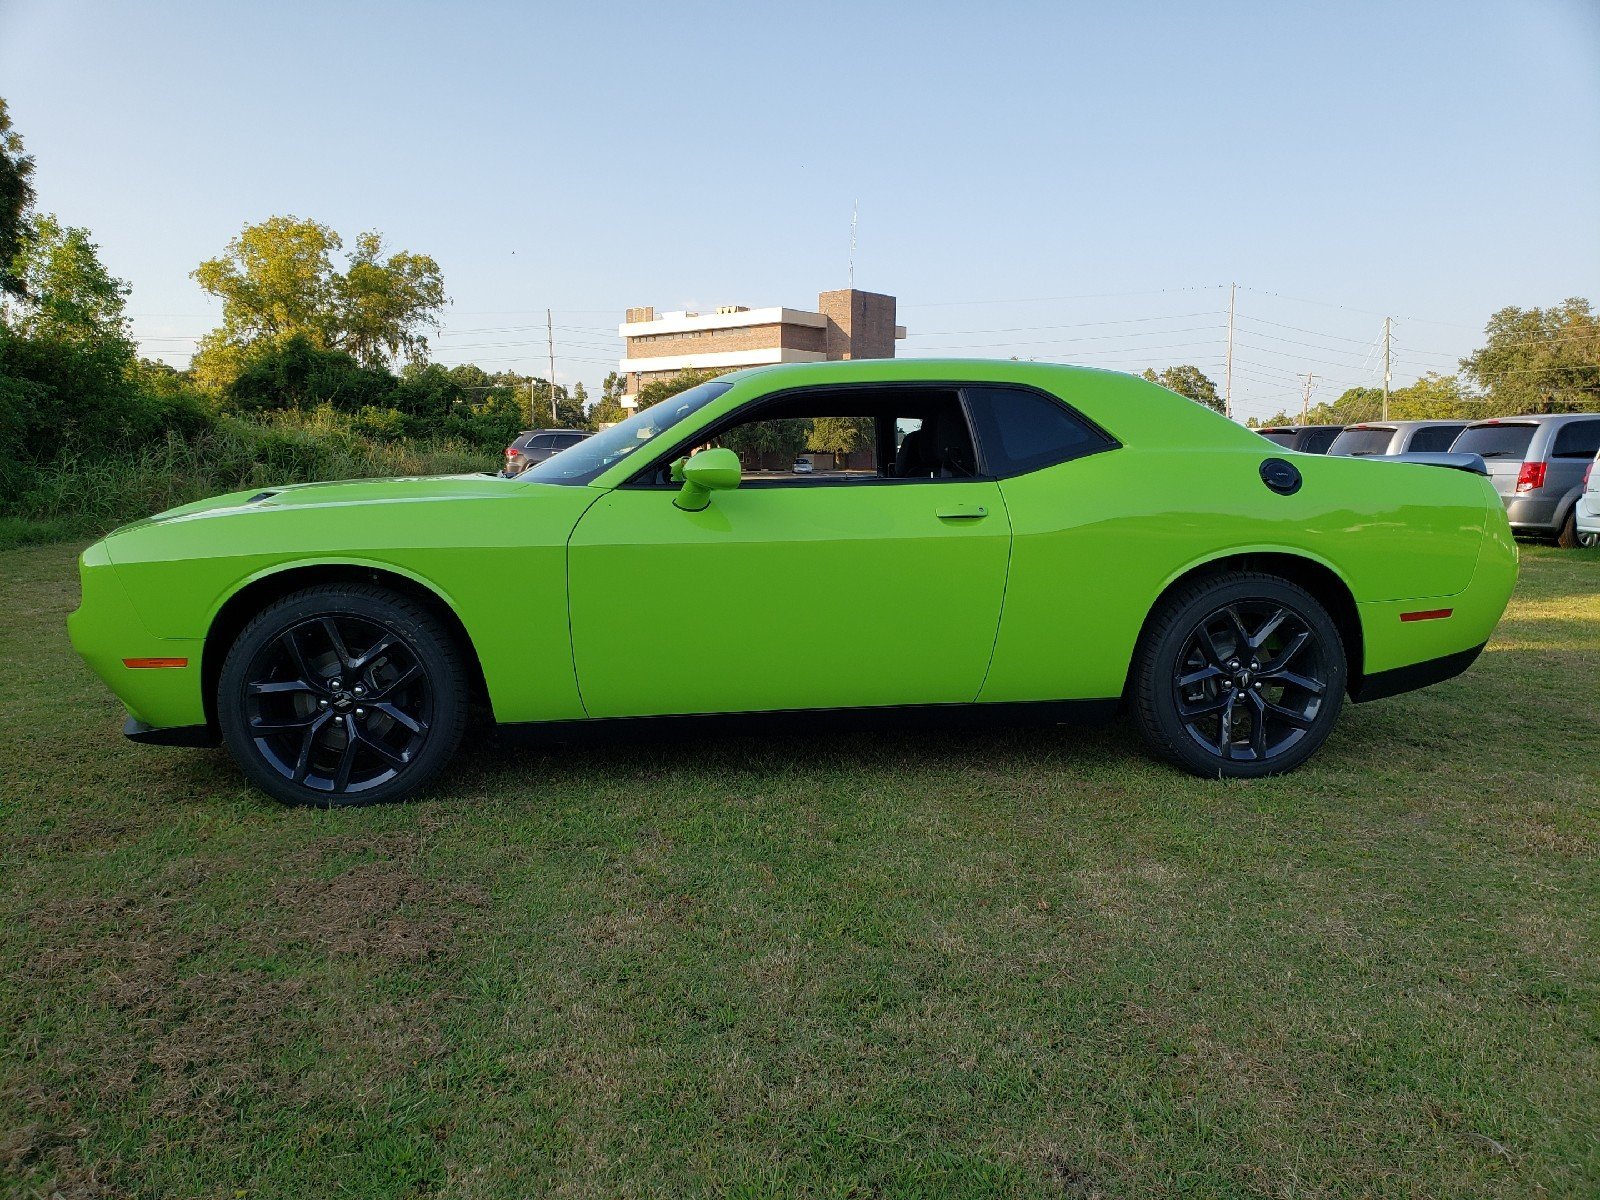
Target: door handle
x,y
961,512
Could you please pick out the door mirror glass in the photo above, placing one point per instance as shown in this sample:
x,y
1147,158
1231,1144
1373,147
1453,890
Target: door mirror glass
x,y
703,473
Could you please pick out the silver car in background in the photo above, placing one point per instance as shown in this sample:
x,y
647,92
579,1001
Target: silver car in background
x,y
1396,437
1586,515
1537,464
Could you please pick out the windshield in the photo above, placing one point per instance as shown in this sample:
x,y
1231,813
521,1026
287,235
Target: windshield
x,y
1493,441
586,460
1372,440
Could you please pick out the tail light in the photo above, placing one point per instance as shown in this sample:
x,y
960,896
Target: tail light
x,y
511,451
1587,472
1531,477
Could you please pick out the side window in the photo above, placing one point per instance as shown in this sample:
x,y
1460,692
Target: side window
x,y
1577,439
843,435
544,441
1021,430
1434,440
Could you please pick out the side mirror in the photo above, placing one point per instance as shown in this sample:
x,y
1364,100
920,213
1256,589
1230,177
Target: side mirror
x,y
704,473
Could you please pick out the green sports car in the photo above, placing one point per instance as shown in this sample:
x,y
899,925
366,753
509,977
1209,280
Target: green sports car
x,y
1007,539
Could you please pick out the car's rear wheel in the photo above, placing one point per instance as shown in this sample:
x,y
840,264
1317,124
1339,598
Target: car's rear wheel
x,y
1567,539
1239,676
342,695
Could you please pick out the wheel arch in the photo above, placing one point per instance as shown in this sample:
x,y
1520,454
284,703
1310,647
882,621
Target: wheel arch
x,y
1315,576
236,611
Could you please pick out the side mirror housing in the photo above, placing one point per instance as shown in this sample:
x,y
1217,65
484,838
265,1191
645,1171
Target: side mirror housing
x,y
703,473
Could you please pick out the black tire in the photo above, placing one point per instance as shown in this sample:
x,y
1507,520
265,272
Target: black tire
x,y
342,695
1190,672
1567,539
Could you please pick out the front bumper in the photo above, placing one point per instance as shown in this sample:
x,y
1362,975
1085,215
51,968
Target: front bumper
x,y
109,635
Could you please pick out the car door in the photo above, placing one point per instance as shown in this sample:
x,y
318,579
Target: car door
x,y
839,590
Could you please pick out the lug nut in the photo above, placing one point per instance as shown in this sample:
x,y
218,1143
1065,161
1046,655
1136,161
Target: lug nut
x,y
361,712
336,684
359,690
1257,686
322,704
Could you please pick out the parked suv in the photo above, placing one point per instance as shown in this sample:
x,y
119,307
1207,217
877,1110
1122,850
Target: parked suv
x,y
1396,437
1308,439
1587,519
1537,464
535,445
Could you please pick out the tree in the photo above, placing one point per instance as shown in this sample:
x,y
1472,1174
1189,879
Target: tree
x,y
783,437
1188,381
70,296
664,389
1540,359
608,409
840,436
278,280
16,202
386,303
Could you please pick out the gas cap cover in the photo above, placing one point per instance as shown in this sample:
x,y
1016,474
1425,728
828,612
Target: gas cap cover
x,y
1282,477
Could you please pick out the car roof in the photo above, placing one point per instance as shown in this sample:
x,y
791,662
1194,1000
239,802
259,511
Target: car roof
x,y
1536,419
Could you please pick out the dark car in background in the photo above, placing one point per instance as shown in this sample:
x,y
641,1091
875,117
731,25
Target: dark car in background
x,y
1537,464
535,445
1308,439
1396,437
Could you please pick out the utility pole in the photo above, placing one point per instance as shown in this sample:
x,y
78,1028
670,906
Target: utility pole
x,y
855,206
1227,379
1386,368
550,338
1305,396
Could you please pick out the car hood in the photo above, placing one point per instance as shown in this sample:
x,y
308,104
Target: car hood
x,y
398,490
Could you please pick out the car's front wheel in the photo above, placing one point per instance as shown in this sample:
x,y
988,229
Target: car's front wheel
x,y
342,695
1239,676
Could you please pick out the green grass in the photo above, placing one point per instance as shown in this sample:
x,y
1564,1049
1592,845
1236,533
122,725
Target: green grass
x,y
1014,964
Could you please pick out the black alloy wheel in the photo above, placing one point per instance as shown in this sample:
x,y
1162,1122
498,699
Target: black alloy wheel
x,y
342,696
1240,676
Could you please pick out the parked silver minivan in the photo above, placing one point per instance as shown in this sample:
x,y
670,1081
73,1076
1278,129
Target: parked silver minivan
x,y
1537,464
1396,437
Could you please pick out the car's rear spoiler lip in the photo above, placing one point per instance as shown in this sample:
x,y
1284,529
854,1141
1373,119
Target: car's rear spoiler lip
x,y
1456,462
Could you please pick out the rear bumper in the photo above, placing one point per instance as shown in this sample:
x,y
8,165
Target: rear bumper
x,y
1418,675
204,736
1533,514
1587,513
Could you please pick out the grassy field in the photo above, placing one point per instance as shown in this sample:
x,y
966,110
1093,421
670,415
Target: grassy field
x,y
1011,964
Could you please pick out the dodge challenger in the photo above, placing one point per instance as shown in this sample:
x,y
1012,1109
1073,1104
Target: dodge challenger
x,y
1005,539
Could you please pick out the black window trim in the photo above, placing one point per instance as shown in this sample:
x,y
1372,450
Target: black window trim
x,y
734,417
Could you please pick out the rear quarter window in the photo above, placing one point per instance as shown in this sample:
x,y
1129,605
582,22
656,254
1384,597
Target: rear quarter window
x,y
1494,441
1020,430
1578,439
1435,440
1362,441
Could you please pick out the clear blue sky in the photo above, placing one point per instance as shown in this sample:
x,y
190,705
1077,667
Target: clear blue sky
x,y
1027,173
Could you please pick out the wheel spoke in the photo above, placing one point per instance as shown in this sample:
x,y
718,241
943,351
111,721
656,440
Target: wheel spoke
x,y
280,687
393,757
1256,711
1268,628
302,762
347,756
1208,646
401,716
377,648
1202,708
1225,729
1294,679
1241,639
263,726
1201,675
1288,715
389,689
291,643
331,628
1295,644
